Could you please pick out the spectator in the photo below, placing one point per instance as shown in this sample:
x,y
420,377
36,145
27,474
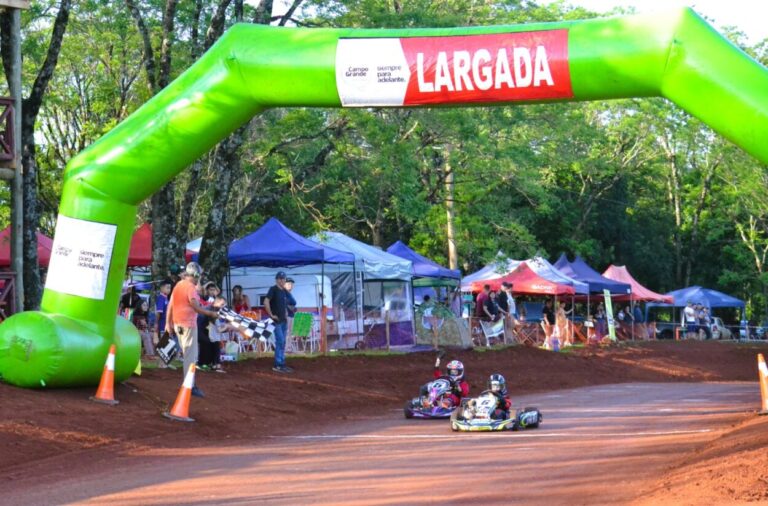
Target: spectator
x,y
549,312
621,315
690,320
561,324
480,301
628,318
491,308
140,321
181,319
208,336
600,323
705,322
217,333
210,292
161,305
637,314
129,301
174,275
507,309
276,306
240,300
455,303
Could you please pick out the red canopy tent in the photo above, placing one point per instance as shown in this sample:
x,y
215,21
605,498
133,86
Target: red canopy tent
x,y
140,254
526,282
639,292
44,245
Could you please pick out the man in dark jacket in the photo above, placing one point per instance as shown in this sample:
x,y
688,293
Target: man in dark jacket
x,y
276,306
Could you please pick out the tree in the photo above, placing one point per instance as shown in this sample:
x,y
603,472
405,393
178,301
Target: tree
x,y
30,109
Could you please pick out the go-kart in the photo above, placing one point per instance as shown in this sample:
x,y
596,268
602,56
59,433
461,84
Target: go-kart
x,y
436,403
475,415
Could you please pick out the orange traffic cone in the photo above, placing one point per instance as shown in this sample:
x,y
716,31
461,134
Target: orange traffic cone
x,y
762,371
180,409
105,394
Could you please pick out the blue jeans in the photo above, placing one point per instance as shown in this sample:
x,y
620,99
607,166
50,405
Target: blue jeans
x,y
280,329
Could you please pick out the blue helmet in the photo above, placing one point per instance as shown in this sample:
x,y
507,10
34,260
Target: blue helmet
x,y
497,384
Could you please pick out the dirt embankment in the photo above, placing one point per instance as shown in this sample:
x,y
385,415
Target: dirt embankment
x,y
733,469
36,426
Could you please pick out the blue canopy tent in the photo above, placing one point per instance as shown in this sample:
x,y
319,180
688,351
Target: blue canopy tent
x,y
704,296
254,258
423,267
275,245
698,295
581,271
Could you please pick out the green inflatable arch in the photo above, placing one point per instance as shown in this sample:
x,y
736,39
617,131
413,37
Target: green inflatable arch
x,y
251,68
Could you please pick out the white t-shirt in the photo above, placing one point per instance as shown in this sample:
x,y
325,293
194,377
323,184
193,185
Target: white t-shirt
x,y
690,314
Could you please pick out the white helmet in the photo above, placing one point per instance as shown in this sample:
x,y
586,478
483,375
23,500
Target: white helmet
x,y
455,370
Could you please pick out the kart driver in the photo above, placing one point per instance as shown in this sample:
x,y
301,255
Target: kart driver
x,y
497,385
454,372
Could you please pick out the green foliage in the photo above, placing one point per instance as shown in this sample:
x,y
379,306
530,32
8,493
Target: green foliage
x,y
633,182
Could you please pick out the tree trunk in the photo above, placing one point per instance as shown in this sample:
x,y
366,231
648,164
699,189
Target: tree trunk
x,y
450,230
33,289
675,199
167,246
703,195
217,236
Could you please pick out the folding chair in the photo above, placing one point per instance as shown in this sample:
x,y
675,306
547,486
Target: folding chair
x,y
302,330
528,334
312,341
491,330
476,331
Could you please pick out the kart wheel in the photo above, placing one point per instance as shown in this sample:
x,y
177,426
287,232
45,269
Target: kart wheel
x,y
454,427
408,410
539,419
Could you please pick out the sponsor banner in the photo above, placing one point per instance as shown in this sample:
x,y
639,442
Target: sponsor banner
x,y
505,67
80,257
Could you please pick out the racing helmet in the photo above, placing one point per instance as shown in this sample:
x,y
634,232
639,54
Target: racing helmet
x,y
497,384
455,370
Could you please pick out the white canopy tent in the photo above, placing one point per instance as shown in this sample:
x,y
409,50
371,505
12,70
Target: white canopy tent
x,y
372,262
503,266
384,281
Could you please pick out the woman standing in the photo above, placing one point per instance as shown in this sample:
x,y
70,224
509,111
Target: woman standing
x,y
240,300
600,321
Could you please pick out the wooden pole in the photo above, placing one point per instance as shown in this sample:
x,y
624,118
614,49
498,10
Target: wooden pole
x,y
386,329
17,185
324,329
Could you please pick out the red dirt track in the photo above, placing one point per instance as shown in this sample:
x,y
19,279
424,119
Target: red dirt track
x,y
653,423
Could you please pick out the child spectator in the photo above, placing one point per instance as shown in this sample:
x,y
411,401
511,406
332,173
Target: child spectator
x,y
240,300
161,305
140,321
217,328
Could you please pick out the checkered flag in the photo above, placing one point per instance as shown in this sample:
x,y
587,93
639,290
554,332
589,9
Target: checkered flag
x,y
261,330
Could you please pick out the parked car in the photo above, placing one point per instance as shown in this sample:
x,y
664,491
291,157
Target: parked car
x,y
666,330
719,330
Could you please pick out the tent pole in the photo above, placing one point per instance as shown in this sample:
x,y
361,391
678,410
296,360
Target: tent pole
x,y
357,308
589,313
228,279
324,323
573,315
413,313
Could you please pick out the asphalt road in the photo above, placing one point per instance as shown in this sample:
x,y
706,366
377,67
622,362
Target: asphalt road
x,y
597,445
